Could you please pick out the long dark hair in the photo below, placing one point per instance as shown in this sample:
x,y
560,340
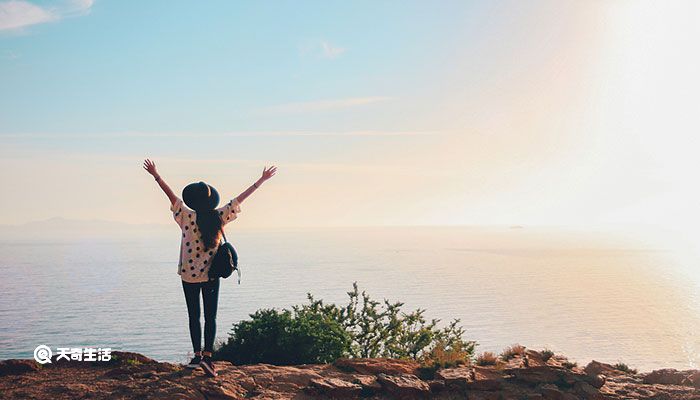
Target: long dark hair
x,y
203,199
209,224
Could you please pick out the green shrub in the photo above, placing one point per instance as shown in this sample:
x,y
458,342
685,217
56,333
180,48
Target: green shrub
x,y
382,329
284,338
546,354
317,332
624,368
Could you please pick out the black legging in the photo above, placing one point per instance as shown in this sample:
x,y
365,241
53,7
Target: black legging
x,y
210,295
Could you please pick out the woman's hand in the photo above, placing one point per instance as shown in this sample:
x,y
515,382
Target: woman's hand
x,y
267,173
150,167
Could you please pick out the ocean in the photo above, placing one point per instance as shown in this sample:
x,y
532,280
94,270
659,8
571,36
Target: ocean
x,y
584,295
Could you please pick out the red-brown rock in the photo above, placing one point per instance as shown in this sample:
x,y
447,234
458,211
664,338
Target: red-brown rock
x,y
17,367
455,376
334,387
132,376
372,366
369,383
404,386
538,375
550,392
673,377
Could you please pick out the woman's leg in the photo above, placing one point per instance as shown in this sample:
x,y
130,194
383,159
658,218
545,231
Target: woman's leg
x,y
210,295
192,299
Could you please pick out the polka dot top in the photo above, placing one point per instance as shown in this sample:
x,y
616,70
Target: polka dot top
x,y
194,258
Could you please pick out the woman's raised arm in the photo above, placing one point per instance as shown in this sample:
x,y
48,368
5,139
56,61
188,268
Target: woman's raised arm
x,y
150,166
266,174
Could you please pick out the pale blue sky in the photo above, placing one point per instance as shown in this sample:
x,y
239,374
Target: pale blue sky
x,y
168,66
377,113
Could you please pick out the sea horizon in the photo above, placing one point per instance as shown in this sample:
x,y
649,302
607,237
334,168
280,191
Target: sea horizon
x,y
507,285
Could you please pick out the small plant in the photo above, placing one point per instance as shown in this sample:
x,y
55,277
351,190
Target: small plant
x,y
624,368
133,361
569,364
512,352
447,356
546,354
486,358
444,355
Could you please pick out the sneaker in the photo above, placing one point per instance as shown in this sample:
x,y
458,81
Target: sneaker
x,y
208,366
194,363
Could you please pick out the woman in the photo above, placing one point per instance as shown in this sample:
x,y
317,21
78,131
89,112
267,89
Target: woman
x,y
202,227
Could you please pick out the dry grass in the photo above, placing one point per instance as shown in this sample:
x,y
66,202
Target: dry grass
x,y
512,352
443,357
486,358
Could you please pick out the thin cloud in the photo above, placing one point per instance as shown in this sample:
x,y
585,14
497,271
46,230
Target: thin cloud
x,y
19,14
11,55
330,51
132,134
74,8
324,105
322,49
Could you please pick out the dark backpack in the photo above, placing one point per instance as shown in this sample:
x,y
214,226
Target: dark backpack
x,y
225,261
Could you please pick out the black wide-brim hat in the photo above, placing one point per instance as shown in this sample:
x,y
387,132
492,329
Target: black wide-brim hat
x,y
200,196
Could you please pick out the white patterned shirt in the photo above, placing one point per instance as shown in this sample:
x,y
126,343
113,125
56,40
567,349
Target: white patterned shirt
x,y
195,259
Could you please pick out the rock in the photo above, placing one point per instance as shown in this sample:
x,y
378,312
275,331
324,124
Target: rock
x,y
211,390
550,392
471,378
454,376
373,366
570,396
369,383
17,367
117,373
673,377
597,368
334,387
538,375
436,386
278,378
693,379
585,390
534,358
132,376
72,389
485,379
477,395
597,381
404,386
